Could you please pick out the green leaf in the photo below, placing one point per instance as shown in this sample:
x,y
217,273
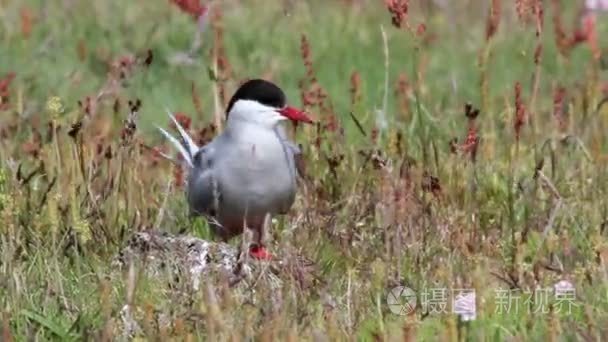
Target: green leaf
x,y
51,325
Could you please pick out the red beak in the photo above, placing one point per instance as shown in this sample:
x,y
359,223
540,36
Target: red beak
x,y
295,114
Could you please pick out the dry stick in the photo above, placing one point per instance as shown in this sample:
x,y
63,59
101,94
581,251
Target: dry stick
x,y
353,194
161,211
163,155
265,267
551,219
386,64
379,306
581,145
536,86
89,185
266,225
537,71
548,182
214,315
348,302
56,145
128,180
553,214
59,283
131,282
246,238
75,167
484,75
87,177
504,279
592,122
242,256
92,198
216,98
117,185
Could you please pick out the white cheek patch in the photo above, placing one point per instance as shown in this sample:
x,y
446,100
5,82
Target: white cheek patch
x,y
268,117
253,111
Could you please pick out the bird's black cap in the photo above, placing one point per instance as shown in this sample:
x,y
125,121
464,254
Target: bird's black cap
x,y
264,92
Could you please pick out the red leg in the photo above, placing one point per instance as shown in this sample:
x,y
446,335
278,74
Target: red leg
x,y
257,250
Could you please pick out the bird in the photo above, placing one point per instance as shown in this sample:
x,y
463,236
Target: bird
x,y
247,173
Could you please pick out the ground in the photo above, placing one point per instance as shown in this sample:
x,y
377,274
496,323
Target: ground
x,y
460,148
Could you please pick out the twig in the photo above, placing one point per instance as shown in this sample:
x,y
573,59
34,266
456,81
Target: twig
x,y
386,64
552,217
555,210
217,114
585,151
46,193
549,184
504,279
161,210
348,300
263,270
164,155
358,124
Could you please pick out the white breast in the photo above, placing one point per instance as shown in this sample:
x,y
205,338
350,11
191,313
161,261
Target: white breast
x,y
254,173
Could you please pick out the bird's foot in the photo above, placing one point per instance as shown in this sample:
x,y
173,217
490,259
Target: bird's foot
x,y
259,252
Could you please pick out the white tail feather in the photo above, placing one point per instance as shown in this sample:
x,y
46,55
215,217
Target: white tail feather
x,y
182,150
188,142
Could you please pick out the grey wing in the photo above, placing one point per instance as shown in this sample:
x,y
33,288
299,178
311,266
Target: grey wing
x,y
294,154
297,159
203,191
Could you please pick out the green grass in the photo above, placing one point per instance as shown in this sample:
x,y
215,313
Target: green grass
x,y
367,223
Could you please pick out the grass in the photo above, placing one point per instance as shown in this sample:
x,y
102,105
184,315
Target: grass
x,y
429,200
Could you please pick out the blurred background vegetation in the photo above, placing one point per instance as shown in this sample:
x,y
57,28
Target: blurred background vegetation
x,y
406,184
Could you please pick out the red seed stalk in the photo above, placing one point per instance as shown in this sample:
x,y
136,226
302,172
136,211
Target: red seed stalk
x,y
590,33
5,82
421,30
587,33
355,89
191,7
127,133
219,53
178,174
559,110
402,91
27,20
538,53
306,57
374,135
561,38
539,14
522,8
520,112
196,99
312,93
493,19
398,10
471,142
